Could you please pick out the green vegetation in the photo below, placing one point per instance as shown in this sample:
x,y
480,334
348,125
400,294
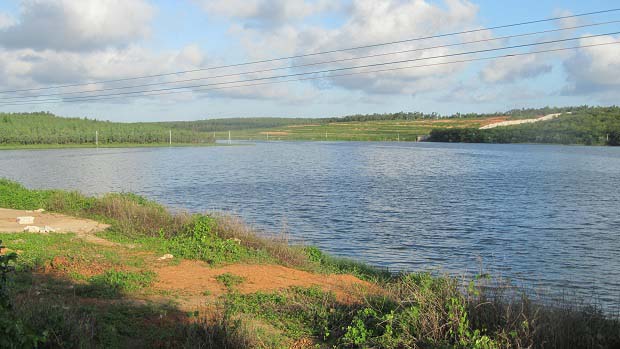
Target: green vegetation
x,y
113,283
36,129
65,291
229,280
588,126
390,130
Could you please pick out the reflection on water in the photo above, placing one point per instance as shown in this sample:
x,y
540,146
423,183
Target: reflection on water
x,y
542,215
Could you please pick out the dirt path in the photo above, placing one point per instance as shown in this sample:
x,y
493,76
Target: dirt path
x,y
60,223
522,121
197,281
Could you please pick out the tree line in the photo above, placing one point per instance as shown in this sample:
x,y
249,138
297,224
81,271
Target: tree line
x,y
47,128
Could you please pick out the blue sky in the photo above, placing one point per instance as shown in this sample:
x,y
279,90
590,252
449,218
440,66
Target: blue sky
x,y
54,42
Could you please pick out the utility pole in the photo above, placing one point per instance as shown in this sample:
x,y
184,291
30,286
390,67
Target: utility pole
x,y
229,137
97,138
170,137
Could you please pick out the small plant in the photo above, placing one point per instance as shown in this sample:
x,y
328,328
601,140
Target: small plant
x,y
114,283
230,281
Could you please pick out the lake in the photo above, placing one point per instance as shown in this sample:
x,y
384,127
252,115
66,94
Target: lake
x,y
544,216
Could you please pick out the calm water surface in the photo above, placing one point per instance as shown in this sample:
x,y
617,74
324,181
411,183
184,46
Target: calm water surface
x,y
545,216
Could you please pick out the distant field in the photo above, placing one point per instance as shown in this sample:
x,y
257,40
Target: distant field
x,y
387,130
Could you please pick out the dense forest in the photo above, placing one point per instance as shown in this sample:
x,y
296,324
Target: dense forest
x,y
46,128
585,125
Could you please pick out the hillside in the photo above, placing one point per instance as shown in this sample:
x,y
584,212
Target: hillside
x,y
589,126
375,127
403,126
28,129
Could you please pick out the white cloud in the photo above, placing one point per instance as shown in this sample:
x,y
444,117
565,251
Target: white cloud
x,y
595,69
267,13
77,25
515,68
6,20
27,68
368,22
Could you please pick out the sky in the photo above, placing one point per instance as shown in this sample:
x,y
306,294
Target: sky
x,y
47,43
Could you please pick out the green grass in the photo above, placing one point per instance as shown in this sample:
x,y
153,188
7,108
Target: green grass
x,y
38,250
335,265
113,283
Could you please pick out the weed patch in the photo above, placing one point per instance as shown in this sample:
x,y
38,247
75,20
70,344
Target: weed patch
x,y
113,284
230,281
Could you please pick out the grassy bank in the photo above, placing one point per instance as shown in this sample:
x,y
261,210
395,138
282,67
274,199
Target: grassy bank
x,y
67,291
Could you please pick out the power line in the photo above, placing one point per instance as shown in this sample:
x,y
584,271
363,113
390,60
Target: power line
x,y
341,69
320,52
97,98
311,64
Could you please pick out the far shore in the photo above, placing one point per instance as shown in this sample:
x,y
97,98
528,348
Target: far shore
x,y
108,145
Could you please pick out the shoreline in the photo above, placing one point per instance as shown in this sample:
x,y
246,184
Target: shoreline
x,y
211,280
92,146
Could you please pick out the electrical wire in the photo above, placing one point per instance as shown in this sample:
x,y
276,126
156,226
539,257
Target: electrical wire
x,y
97,98
321,52
309,64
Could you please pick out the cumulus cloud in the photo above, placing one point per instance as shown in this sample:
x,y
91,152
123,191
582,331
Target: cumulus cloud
x,y
595,69
368,22
77,25
26,68
372,22
267,13
515,68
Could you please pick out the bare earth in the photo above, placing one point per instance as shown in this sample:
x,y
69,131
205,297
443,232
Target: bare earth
x,y
193,278
61,223
84,228
521,121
